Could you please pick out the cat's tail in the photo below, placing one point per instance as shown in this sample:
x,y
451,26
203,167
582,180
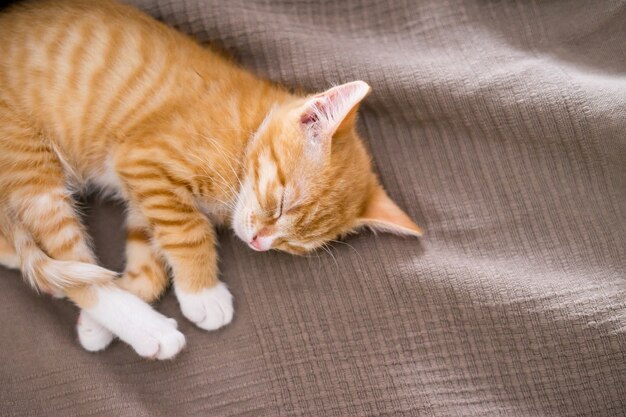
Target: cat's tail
x,y
107,310
46,274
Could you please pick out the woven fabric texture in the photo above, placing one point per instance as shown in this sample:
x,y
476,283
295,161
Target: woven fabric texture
x,y
500,126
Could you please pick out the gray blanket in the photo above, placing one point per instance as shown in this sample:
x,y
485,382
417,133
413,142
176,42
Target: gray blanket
x,y
500,126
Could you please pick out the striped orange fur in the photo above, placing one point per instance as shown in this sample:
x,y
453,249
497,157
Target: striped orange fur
x,y
97,94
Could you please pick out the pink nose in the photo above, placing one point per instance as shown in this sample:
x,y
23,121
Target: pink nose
x,y
260,242
255,243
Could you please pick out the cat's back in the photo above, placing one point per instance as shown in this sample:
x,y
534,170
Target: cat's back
x,y
83,67
51,27
49,35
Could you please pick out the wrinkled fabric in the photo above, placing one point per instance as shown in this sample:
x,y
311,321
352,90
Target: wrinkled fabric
x,y
500,127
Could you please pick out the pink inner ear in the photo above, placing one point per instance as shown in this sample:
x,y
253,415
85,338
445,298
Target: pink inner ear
x,y
309,117
324,112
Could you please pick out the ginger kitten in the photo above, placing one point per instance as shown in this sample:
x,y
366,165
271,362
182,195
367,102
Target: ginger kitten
x,y
97,94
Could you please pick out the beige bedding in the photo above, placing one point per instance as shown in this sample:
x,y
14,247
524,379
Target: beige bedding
x,y
500,126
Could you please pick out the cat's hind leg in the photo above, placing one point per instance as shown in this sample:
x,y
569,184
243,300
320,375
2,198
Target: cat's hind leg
x,y
52,247
146,273
32,187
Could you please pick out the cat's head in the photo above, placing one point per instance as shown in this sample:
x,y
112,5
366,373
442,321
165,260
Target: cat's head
x,y
308,178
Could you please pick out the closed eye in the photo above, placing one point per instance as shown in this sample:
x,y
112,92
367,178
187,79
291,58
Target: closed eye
x,y
293,209
282,204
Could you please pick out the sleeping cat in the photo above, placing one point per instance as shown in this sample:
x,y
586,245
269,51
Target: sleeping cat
x,y
99,95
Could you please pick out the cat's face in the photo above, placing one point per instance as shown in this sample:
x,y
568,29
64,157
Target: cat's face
x,y
308,178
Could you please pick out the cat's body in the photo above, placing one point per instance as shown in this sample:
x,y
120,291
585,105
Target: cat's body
x,y
96,94
97,75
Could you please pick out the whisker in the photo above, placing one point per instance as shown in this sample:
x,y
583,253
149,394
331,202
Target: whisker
x,y
220,148
226,183
325,247
351,247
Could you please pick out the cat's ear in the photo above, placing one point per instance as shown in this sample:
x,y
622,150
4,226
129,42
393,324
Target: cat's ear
x,y
334,110
382,214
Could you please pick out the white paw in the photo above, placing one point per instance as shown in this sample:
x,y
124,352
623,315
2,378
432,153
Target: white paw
x,y
151,334
157,339
210,308
92,336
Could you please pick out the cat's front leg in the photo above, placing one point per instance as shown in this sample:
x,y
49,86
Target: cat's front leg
x,y
190,250
186,238
188,243
192,255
